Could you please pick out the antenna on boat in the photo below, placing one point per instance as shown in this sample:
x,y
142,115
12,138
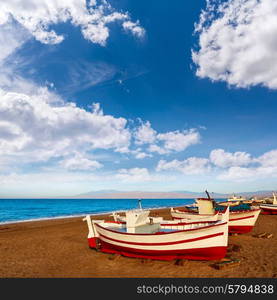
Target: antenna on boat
x,y
139,203
213,201
208,194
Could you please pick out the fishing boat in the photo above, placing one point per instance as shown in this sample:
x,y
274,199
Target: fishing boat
x,y
234,200
242,218
171,224
202,210
143,237
270,209
256,200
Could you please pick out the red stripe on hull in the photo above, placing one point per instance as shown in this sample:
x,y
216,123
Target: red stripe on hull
x,y
164,243
175,218
268,211
209,253
242,218
166,233
240,229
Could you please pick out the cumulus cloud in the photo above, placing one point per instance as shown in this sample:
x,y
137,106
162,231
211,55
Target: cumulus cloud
x,y
12,36
134,28
140,154
34,128
238,43
165,143
37,17
264,166
224,159
145,134
227,166
39,126
268,159
158,149
179,140
189,166
80,162
243,174
133,175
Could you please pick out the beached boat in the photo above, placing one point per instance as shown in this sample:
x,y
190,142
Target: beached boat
x,y
144,237
171,224
193,215
229,203
234,200
270,209
256,200
242,218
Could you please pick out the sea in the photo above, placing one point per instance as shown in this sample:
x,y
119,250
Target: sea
x,y
18,210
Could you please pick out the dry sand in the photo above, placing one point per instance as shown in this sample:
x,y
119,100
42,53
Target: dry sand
x,y
59,248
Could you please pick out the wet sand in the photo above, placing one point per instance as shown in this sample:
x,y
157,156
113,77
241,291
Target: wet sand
x,y
59,248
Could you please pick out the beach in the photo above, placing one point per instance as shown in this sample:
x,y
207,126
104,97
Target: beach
x,y
58,248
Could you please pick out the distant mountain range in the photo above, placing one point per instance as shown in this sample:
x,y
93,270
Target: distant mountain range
x,y
114,194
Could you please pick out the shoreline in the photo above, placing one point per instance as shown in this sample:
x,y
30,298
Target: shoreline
x,y
76,216
80,215
58,248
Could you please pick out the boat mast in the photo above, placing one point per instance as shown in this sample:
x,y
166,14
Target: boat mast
x,y
208,194
139,203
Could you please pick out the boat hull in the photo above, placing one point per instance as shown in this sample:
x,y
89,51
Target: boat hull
x,y
193,216
243,222
239,222
240,229
269,209
230,203
207,243
208,253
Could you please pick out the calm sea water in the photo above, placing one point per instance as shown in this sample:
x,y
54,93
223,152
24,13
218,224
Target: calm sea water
x,y
14,210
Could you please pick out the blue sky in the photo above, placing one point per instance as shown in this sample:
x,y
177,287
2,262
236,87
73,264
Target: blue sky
x,y
137,95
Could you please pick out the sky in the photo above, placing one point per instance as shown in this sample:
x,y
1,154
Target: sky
x,y
137,95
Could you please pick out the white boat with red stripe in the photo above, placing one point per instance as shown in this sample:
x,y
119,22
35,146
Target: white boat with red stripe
x,y
240,221
270,209
144,237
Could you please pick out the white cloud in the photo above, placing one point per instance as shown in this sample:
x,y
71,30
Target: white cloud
x,y
38,16
165,143
223,159
233,167
134,28
189,166
238,43
12,36
133,175
268,159
243,174
142,155
145,134
179,140
79,162
264,166
83,74
34,129
158,149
